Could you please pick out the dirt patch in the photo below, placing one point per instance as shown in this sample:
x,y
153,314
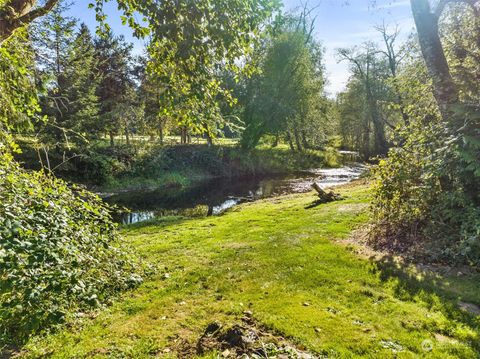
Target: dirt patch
x,y
405,255
244,339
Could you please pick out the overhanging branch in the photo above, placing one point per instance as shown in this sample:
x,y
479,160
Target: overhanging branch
x,y
18,13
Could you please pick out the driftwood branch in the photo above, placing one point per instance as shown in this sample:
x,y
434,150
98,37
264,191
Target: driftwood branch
x,y
325,196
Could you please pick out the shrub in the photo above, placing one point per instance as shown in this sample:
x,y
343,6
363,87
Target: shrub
x,y
59,252
427,191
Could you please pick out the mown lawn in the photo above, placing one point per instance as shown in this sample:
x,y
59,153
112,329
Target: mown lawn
x,y
280,261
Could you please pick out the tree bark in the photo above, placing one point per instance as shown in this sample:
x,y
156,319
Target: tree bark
x,y
290,141
18,13
160,134
298,141
127,136
112,139
444,88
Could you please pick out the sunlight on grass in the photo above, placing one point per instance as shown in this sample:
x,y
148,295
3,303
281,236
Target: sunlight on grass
x,y
276,259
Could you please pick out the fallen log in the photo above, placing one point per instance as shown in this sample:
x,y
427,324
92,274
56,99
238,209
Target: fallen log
x,y
325,196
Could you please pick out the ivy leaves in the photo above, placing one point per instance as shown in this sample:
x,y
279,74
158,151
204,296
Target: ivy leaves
x,y
59,252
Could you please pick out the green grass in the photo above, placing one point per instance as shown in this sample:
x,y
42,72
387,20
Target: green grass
x,y
148,165
272,257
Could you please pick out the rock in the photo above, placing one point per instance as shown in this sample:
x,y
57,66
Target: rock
x,y
306,304
235,337
248,313
226,353
318,330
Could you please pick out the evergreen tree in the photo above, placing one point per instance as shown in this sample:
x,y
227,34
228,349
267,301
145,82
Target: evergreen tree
x,y
116,86
80,85
52,39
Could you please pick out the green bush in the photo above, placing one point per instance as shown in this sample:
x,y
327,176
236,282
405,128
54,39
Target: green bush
x,y
59,252
427,191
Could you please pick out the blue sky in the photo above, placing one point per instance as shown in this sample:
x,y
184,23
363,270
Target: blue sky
x,y
337,26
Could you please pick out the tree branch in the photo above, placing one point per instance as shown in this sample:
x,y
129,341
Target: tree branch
x,y
18,13
32,15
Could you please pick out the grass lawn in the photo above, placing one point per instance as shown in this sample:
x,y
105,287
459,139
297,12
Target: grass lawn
x,y
280,261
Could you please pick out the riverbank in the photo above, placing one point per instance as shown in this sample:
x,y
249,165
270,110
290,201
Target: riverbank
x,y
124,168
276,268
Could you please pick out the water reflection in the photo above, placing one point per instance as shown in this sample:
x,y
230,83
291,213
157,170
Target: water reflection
x,y
219,195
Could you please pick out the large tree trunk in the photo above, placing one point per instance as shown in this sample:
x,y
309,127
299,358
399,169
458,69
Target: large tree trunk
x,y
18,13
444,88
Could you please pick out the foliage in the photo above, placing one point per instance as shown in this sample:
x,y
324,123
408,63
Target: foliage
x,y
428,190
116,88
286,100
65,77
18,100
190,42
59,252
365,120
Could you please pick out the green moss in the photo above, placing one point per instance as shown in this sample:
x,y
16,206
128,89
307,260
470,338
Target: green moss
x,y
279,260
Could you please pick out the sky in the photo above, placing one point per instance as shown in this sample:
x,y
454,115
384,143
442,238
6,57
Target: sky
x,y
337,25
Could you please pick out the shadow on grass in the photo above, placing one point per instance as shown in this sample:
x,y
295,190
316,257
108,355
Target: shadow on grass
x,y
159,222
319,202
437,291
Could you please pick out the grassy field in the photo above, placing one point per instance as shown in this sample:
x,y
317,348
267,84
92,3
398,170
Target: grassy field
x,y
281,263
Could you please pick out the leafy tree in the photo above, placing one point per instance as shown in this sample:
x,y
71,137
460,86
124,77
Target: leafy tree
x,y
427,189
15,14
370,73
190,42
52,38
18,100
286,99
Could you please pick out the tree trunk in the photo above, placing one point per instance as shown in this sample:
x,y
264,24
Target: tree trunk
x,y
304,140
276,141
127,136
209,139
290,141
160,133
183,136
298,142
112,139
18,13
207,135
444,89
380,144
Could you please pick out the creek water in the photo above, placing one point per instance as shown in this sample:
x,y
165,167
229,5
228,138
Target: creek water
x,y
219,195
